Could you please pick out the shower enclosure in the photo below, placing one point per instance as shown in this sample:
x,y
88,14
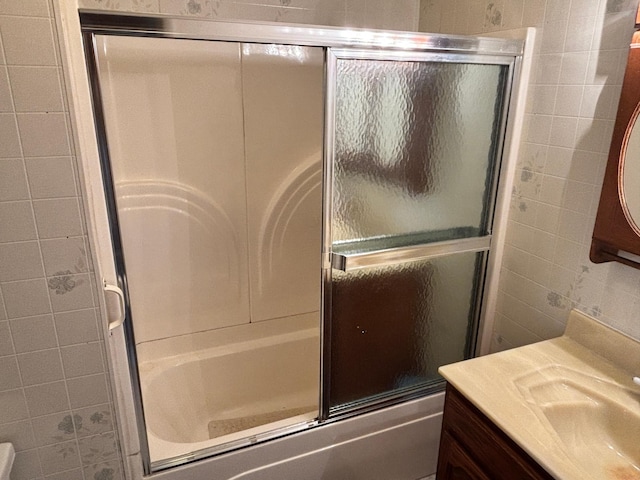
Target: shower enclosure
x,y
300,218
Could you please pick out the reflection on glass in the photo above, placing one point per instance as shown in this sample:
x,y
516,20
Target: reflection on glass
x,y
415,150
392,327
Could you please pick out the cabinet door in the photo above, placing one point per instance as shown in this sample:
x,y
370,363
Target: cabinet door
x,y
455,463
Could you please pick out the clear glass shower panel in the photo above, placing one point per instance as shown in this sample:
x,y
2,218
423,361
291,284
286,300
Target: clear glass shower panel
x,y
416,144
392,327
215,172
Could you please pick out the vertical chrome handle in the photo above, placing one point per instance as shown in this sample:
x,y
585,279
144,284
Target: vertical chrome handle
x,y
115,310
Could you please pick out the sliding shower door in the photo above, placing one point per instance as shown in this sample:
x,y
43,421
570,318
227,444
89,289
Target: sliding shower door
x,y
212,156
415,142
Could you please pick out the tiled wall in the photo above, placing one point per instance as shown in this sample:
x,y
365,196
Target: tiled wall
x,y
396,14
578,67
55,405
54,401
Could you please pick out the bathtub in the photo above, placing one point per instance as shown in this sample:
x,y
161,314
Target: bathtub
x,y
212,396
186,385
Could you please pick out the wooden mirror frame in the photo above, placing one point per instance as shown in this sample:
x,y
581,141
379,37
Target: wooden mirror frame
x,y
613,233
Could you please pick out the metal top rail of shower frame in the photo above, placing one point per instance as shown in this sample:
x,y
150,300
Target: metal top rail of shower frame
x,y
98,22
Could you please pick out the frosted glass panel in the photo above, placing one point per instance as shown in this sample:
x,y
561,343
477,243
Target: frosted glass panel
x,y
392,327
415,148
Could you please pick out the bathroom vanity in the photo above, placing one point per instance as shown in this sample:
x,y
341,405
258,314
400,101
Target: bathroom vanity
x,y
472,447
565,408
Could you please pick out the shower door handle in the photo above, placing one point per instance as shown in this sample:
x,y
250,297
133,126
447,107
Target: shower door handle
x,y
391,256
115,314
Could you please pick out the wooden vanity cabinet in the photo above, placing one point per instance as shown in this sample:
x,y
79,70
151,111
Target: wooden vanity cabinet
x,y
472,447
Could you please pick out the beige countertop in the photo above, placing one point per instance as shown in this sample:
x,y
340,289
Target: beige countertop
x,y
510,387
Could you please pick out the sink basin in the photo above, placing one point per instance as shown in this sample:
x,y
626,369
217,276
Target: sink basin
x,y
596,422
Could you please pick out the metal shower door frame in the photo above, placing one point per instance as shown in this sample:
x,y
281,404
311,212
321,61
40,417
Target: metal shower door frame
x,y
394,256
338,43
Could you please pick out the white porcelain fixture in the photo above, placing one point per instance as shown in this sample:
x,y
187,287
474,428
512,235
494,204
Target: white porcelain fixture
x,y
7,454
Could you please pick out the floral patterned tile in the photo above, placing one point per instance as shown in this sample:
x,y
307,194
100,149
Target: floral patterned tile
x,y
51,429
59,457
196,8
93,420
147,6
104,471
98,449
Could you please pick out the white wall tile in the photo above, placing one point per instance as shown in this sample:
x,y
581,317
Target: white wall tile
x,y
543,244
27,41
590,135
17,221
548,218
47,398
26,466
51,177
605,67
56,428
6,343
10,145
43,134
36,89
76,327
563,131
33,8
513,13
573,226
64,254
6,102
86,391
13,181
20,261
3,312
84,359
20,433
578,197
70,292
585,166
559,160
556,11
58,218
580,32
574,68
568,100
14,405
15,293
148,6
33,333
553,190
196,8
584,8
59,457
43,366
548,69
539,129
553,37
9,373
543,99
